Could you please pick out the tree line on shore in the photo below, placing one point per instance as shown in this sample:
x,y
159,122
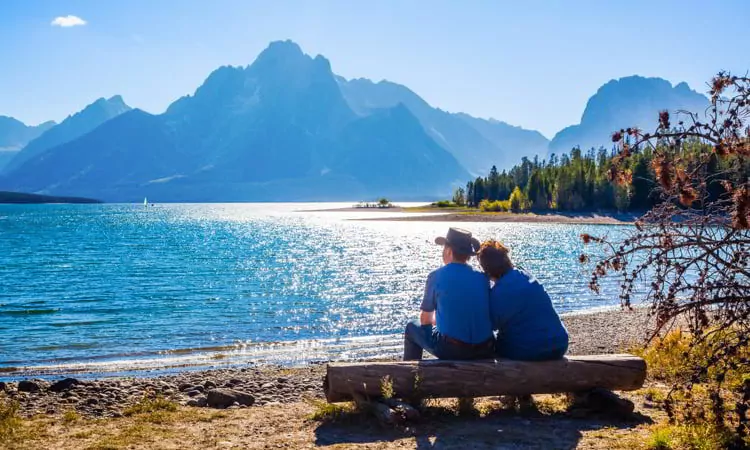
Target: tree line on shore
x,y
586,181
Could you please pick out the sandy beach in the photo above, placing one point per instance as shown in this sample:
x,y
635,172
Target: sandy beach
x,y
434,214
508,217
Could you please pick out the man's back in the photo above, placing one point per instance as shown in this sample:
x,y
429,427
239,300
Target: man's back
x,y
460,296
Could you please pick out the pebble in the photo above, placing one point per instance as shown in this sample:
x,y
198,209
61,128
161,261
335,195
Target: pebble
x,y
108,397
64,385
223,398
29,386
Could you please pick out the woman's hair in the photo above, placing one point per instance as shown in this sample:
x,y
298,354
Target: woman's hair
x,y
494,258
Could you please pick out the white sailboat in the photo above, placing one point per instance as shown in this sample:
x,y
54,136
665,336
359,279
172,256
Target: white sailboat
x,y
145,202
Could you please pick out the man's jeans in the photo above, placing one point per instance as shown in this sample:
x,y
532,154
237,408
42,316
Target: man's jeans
x,y
425,337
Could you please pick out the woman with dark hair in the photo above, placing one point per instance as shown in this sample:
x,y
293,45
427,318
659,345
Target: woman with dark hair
x,y
528,327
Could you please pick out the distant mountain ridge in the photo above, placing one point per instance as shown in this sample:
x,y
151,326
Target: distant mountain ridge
x,y
629,101
278,129
14,134
286,128
478,144
72,127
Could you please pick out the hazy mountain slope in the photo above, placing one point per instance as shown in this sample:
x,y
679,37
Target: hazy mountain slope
x,y
516,142
133,146
379,162
278,129
476,143
14,134
630,101
72,127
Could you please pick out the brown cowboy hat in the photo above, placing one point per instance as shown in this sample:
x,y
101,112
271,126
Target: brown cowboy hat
x,y
460,241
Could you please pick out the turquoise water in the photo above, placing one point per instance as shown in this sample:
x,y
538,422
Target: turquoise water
x,y
122,287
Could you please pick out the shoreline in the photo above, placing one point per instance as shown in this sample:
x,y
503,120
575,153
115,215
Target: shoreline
x,y
613,331
508,217
260,355
429,213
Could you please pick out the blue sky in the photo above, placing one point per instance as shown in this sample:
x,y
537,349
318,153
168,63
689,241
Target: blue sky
x,y
531,63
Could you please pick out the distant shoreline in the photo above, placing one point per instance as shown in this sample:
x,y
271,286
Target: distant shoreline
x,y
429,213
21,198
508,217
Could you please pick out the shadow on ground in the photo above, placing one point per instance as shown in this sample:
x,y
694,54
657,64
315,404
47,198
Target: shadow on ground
x,y
442,429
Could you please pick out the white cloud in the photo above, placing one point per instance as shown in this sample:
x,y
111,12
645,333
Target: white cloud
x,y
68,21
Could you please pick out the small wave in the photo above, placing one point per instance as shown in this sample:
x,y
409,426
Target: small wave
x,y
80,324
287,353
79,345
28,312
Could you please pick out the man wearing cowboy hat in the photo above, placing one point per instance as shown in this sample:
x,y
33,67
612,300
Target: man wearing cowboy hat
x,y
455,319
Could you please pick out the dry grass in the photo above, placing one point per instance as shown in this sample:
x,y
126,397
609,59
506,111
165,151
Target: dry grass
x,y
150,405
313,424
11,426
670,359
70,416
332,412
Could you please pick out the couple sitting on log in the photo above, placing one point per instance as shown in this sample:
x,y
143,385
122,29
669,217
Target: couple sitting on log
x,y
467,314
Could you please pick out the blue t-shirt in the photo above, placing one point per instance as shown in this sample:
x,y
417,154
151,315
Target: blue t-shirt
x,y
459,295
528,325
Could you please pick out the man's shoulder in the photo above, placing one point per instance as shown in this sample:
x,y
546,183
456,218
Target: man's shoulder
x,y
436,272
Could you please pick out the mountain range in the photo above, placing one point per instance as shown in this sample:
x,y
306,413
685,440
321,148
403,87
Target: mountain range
x,y
630,101
287,128
71,128
14,135
477,144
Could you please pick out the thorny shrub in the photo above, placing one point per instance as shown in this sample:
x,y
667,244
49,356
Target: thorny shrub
x,y
691,250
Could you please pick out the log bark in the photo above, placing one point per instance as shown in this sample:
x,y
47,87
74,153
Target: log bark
x,y
440,379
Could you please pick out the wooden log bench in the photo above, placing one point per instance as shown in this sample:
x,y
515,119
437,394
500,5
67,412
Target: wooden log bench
x,y
483,378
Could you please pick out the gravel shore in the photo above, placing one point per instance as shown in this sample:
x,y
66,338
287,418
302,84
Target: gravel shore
x,y
590,333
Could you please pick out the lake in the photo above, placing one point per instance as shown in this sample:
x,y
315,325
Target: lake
x,y
121,288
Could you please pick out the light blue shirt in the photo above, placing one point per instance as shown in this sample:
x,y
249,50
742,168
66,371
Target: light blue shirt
x,y
528,325
459,295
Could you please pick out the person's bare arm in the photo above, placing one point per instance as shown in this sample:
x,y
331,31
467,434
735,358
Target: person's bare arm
x,y
427,318
429,303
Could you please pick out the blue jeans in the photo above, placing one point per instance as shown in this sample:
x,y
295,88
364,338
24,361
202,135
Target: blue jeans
x,y
418,338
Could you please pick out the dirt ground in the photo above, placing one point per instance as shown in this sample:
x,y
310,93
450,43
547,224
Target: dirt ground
x,y
547,425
